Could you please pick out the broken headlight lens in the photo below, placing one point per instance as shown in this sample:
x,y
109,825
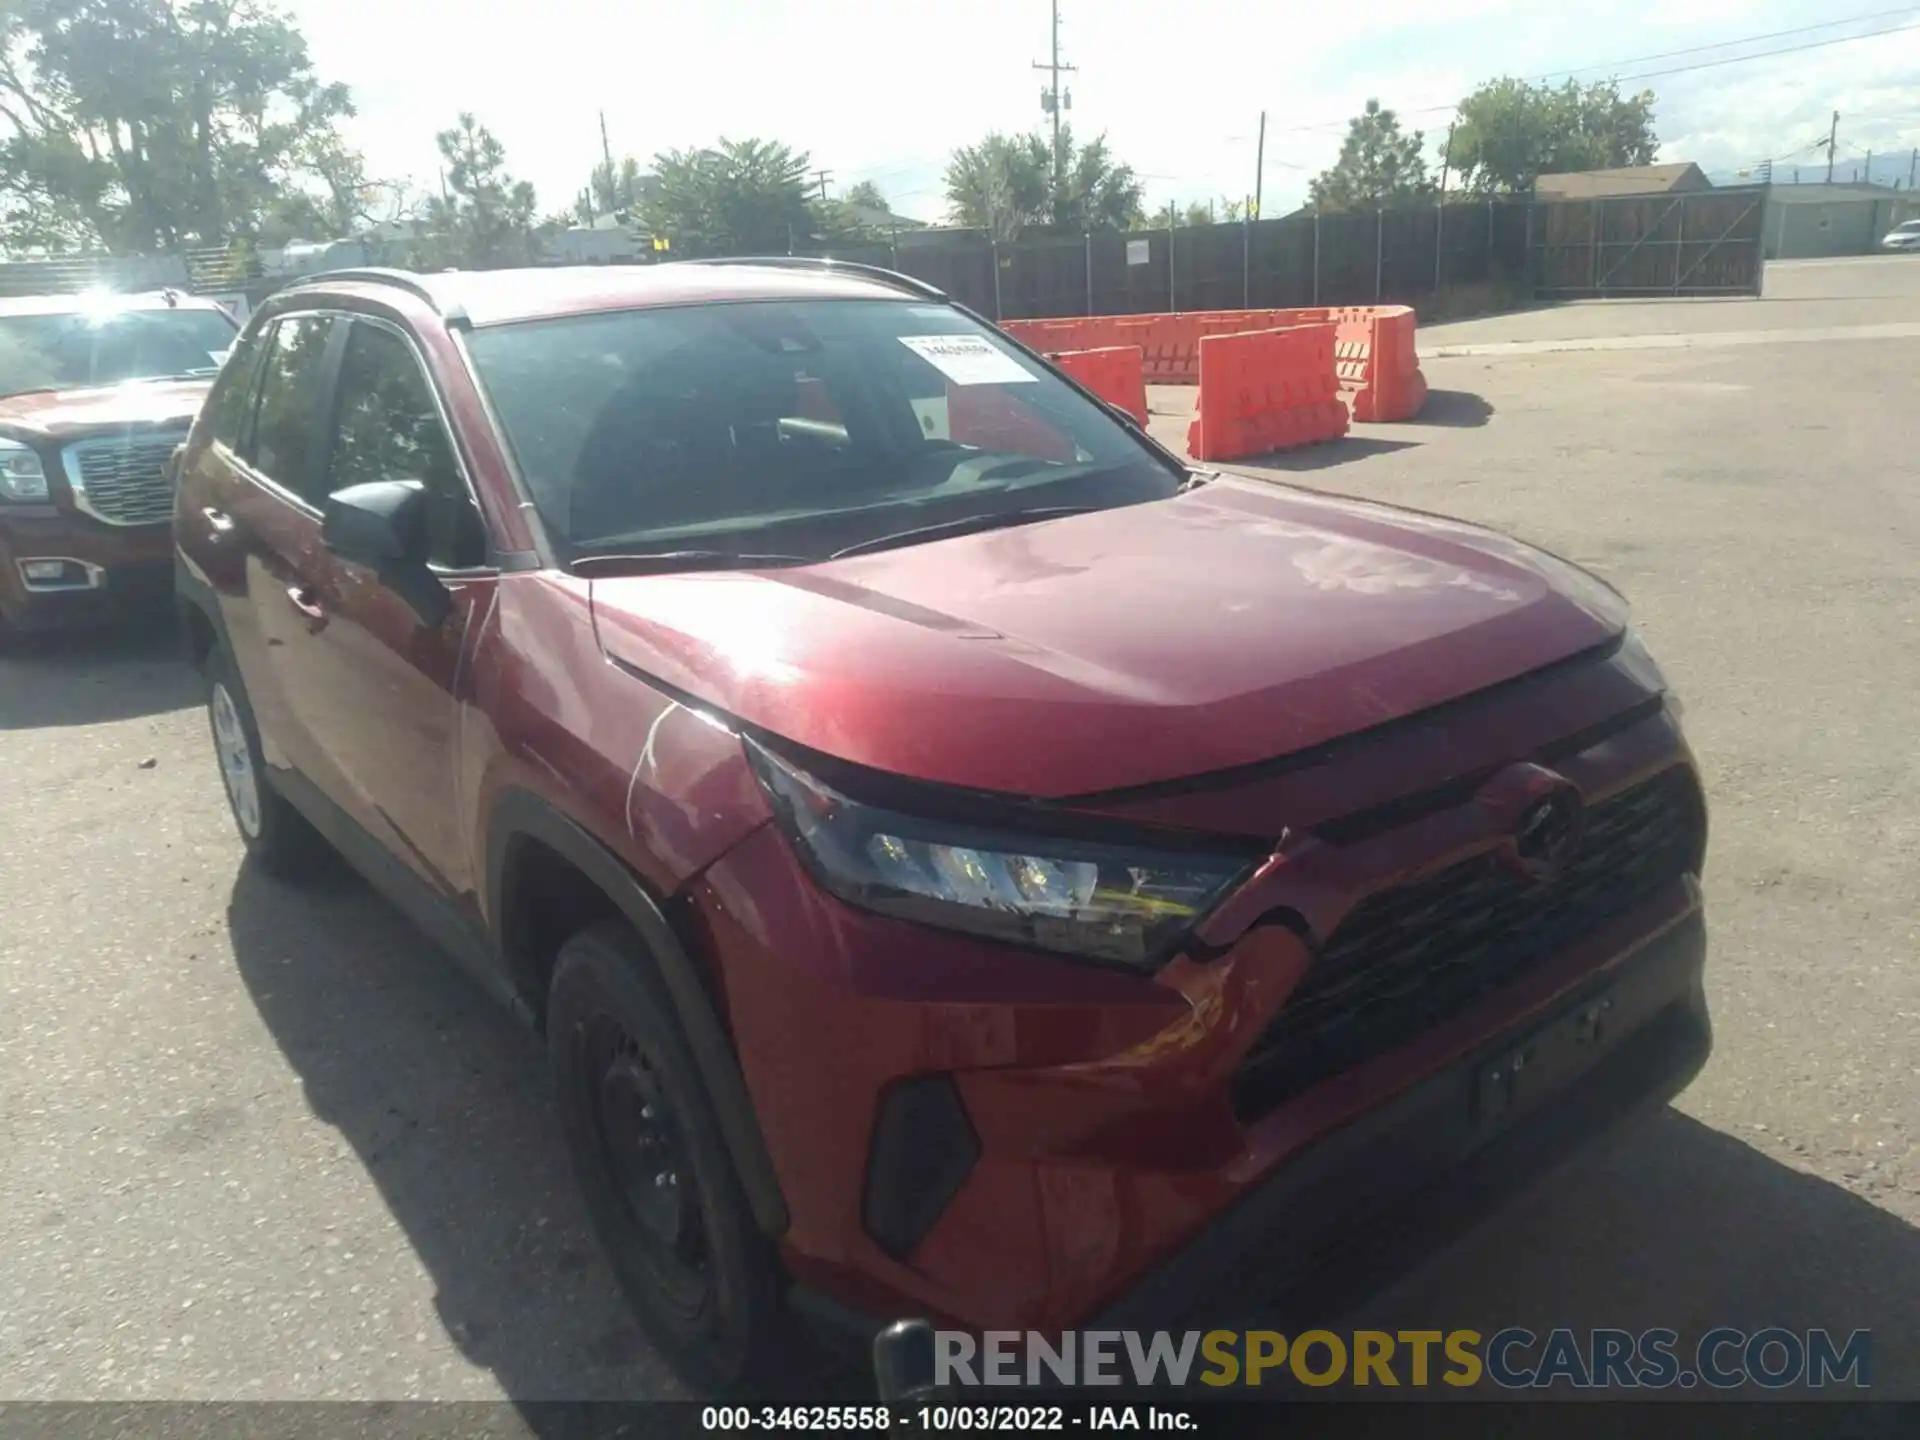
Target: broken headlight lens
x,y
1105,902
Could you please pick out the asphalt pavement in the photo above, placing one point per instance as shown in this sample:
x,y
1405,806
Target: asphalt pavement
x,y
259,1142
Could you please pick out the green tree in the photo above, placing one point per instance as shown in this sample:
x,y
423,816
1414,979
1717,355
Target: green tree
x,y
1213,212
333,198
745,197
1379,165
1001,185
1005,185
141,125
615,187
485,218
868,194
1510,132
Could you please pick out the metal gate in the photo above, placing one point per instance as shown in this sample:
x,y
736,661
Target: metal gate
x,y
1705,242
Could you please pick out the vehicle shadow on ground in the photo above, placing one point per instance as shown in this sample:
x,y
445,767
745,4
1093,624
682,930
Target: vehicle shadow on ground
x,y
1344,451
446,1101
95,677
1666,1224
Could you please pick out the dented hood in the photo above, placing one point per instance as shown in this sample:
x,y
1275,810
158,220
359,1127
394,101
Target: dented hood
x,y
1229,625
60,414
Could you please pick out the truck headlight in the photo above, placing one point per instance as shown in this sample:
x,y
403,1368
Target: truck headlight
x,y
22,476
1639,660
1116,903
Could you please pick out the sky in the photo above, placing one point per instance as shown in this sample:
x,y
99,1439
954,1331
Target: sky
x,y
885,91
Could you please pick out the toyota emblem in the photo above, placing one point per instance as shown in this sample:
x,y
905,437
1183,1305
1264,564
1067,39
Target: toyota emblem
x,y
1539,818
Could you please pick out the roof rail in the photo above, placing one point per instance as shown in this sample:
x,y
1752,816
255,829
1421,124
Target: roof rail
x,y
885,276
379,275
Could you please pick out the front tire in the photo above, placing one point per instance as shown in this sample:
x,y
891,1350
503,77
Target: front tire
x,y
656,1176
278,837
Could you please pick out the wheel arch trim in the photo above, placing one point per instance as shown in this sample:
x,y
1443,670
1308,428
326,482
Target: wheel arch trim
x,y
520,814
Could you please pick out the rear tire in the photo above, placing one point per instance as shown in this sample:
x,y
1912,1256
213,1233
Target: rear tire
x,y
278,838
658,1182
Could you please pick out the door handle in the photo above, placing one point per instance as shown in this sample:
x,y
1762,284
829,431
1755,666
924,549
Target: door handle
x,y
219,525
302,598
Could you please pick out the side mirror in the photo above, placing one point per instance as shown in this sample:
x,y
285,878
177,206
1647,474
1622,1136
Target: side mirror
x,y
378,525
903,1361
383,526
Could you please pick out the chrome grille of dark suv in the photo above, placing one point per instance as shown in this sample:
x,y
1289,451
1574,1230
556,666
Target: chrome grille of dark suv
x,y
1409,957
123,480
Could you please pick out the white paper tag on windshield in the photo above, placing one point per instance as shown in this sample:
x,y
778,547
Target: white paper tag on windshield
x,y
967,359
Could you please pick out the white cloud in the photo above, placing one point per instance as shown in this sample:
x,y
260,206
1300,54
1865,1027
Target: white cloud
x,y
885,91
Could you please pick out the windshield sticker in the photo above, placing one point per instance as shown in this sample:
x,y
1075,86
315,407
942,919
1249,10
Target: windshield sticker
x,y
967,359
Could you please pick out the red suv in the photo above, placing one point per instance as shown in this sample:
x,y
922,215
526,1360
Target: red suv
x,y
963,861
96,392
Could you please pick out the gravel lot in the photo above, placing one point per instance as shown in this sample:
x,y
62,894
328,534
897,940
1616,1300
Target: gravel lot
x,y
259,1143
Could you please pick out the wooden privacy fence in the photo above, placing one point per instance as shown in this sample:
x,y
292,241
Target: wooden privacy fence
x,y
1706,242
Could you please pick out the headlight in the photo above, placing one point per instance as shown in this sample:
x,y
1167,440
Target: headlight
x,y
1101,901
1640,661
22,476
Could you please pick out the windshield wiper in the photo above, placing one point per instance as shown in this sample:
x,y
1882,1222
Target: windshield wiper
x,y
667,561
966,525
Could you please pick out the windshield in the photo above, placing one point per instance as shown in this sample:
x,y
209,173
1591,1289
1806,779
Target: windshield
x,y
794,429
106,347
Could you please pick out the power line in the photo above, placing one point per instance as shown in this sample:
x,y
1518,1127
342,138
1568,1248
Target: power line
x,y
1680,69
1769,54
1749,40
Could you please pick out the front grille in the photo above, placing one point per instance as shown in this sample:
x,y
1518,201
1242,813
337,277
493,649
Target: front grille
x,y
1409,957
123,480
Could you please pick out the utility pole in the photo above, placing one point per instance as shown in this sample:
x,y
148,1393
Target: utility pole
x,y
1259,164
823,176
606,156
1867,169
1052,101
1913,169
1833,140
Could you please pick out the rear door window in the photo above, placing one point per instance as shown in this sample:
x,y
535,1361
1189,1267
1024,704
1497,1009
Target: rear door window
x,y
286,428
230,406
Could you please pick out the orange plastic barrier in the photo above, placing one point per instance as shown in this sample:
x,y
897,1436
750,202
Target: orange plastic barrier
x,y
988,418
1395,388
1377,365
1115,374
1266,390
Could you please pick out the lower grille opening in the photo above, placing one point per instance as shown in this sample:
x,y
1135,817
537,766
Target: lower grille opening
x,y
1409,958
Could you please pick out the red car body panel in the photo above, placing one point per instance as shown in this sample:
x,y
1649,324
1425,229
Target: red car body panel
x,y
1099,652
1243,660
63,415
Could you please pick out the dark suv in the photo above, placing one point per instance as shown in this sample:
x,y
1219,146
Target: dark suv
x,y
96,392
964,862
